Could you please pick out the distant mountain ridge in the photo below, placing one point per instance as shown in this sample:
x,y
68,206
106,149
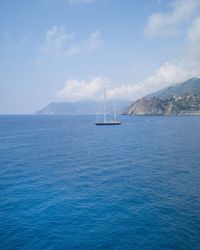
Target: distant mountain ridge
x,y
178,99
82,107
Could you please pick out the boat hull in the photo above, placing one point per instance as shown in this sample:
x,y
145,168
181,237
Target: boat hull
x,y
107,123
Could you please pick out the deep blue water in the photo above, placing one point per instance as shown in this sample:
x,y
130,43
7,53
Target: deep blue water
x,y
68,184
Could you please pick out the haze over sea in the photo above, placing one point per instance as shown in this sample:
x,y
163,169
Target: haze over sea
x,y
68,184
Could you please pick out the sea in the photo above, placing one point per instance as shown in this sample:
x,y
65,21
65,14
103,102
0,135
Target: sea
x,y
66,183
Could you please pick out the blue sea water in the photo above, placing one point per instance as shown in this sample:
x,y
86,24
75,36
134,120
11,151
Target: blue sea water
x,y
68,184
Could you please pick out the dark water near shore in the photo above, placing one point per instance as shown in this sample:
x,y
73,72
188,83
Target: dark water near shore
x,y
68,184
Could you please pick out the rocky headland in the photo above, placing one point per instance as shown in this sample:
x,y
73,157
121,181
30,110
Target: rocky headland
x,y
179,99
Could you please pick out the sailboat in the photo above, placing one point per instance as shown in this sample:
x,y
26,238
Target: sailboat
x,y
105,121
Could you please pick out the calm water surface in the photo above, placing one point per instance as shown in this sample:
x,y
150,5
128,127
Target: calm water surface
x,y
68,184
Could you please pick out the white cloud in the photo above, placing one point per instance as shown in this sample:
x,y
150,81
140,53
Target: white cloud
x,y
95,41
181,68
56,40
191,54
170,23
166,75
169,73
177,70
75,90
187,65
194,31
59,43
73,50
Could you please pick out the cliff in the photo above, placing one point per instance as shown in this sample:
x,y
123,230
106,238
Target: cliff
x,y
179,99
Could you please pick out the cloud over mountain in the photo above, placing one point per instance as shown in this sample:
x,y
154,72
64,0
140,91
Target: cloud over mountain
x,y
183,19
79,90
75,90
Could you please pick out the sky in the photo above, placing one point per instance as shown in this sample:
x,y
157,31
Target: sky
x,y
69,50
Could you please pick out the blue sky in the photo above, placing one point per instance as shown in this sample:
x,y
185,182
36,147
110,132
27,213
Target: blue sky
x,y
68,50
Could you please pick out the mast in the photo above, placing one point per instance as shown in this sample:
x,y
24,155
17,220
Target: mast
x,y
115,114
104,106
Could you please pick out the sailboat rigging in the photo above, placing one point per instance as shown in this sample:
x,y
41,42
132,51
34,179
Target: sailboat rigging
x,y
105,121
